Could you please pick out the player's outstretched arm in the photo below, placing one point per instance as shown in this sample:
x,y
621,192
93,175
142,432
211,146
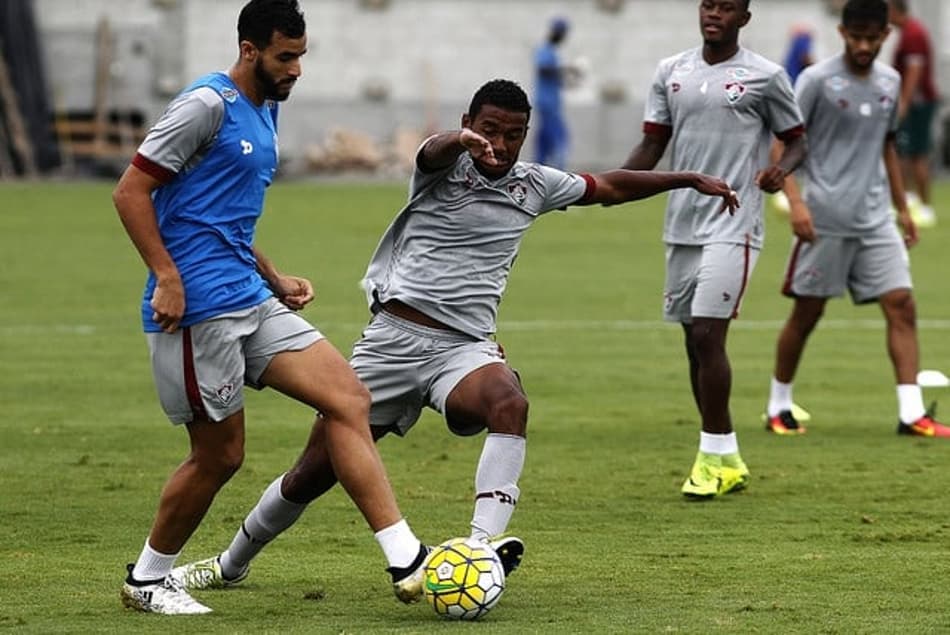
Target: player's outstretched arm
x,y
444,148
620,186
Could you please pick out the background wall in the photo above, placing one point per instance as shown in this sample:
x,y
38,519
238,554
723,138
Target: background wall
x,y
384,66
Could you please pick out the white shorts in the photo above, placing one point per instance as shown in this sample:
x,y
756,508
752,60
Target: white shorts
x,y
706,281
407,366
867,266
200,370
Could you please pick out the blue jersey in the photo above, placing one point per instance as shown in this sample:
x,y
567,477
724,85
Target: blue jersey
x,y
215,152
548,79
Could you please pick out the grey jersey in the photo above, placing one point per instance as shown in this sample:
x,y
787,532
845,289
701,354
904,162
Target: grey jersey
x,y
449,251
720,117
186,131
847,118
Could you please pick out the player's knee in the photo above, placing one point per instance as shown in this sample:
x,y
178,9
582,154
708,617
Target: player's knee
x,y
351,405
901,308
509,415
221,463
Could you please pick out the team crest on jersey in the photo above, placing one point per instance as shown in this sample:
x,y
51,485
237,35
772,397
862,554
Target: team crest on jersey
x,y
735,91
518,192
229,94
836,83
739,74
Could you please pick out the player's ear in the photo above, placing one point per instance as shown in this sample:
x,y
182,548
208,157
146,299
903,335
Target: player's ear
x,y
744,20
466,121
248,51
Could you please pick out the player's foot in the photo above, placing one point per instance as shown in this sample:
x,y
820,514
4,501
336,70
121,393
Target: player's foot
x,y
509,550
206,574
407,581
926,426
705,478
785,424
735,474
159,596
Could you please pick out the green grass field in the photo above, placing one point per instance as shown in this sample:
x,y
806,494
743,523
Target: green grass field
x,y
844,530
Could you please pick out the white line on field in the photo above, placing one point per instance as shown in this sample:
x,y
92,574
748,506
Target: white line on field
x,y
534,325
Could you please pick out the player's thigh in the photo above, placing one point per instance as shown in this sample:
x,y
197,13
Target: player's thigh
x,y
277,330
390,359
682,268
199,370
820,269
722,280
881,265
476,388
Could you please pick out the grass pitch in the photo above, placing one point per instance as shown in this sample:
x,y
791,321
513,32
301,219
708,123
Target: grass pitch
x,y
843,530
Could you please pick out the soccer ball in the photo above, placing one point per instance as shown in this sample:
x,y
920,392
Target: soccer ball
x,y
464,579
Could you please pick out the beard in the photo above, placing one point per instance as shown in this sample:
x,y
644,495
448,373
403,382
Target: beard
x,y
270,87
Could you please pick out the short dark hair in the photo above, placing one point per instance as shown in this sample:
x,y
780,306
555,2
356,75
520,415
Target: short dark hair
x,y
502,93
260,18
872,12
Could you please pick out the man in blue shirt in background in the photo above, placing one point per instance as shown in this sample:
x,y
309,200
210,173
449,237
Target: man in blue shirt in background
x,y
552,137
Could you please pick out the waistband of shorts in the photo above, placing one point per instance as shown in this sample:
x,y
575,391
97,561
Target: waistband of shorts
x,y
421,330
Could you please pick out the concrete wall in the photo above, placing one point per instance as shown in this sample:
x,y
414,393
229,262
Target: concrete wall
x,y
425,57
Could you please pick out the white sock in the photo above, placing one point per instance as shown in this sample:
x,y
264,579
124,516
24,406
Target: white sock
x,y
153,565
710,443
272,515
910,403
496,484
399,544
780,397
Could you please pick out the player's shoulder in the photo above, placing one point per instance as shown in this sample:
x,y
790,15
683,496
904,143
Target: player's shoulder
x,y
684,60
760,63
884,71
822,69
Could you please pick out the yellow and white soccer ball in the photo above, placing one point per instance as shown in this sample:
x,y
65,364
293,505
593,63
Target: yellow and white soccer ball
x,y
464,579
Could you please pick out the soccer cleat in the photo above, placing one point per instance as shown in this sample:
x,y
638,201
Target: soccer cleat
x,y
926,426
705,479
785,424
206,574
166,596
735,474
407,581
509,550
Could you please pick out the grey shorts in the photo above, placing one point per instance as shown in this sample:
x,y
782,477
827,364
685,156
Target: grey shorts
x,y
867,266
706,280
407,366
201,369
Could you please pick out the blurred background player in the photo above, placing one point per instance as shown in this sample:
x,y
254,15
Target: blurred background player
x,y
429,342
845,237
716,105
218,314
552,136
799,55
914,60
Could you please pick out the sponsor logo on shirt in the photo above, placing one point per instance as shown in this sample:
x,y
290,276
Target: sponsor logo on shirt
x,y
683,67
246,147
886,84
518,192
230,95
739,74
837,83
735,91
675,87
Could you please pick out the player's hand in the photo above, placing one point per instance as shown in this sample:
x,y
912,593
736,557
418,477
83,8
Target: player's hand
x,y
712,186
908,226
478,146
168,303
294,292
800,218
771,179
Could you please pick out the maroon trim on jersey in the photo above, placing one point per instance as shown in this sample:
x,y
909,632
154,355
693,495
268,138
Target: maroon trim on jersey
x,y
153,169
745,278
589,190
790,271
660,130
191,378
791,134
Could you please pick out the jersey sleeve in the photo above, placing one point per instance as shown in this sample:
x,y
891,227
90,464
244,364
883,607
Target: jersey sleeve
x,y
781,111
190,122
561,188
657,109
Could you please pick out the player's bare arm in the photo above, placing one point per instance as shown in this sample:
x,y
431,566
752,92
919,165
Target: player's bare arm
x,y
898,195
648,152
132,198
293,291
910,81
620,186
771,178
444,149
799,216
